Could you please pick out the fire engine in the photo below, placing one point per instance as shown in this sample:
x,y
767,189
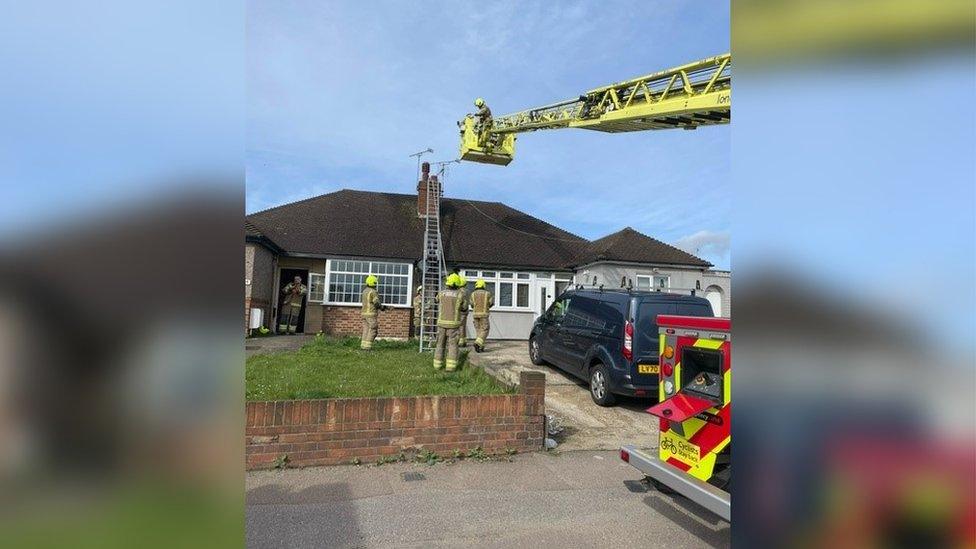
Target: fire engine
x,y
694,411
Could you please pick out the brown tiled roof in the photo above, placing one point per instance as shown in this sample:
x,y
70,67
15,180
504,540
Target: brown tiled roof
x,y
385,225
253,234
632,246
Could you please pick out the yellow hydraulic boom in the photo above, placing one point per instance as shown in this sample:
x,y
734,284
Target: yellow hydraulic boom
x,y
692,95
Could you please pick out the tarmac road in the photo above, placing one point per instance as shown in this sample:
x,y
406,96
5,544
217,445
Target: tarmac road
x,y
574,499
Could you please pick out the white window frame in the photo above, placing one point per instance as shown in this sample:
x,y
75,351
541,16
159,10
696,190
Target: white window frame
x,y
328,277
650,281
325,287
511,277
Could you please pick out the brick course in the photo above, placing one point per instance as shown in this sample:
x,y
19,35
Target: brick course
x,y
346,321
338,430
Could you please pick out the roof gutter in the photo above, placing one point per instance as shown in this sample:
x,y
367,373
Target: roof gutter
x,y
642,264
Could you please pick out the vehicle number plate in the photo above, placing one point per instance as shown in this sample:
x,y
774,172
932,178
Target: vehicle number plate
x,y
673,445
647,368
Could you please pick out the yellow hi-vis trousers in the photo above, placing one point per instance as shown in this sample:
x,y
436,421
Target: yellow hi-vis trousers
x,y
288,319
446,337
463,331
369,332
481,329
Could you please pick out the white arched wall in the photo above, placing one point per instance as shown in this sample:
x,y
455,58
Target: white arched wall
x,y
714,296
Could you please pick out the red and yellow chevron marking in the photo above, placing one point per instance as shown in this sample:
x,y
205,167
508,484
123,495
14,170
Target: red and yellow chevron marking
x,y
694,444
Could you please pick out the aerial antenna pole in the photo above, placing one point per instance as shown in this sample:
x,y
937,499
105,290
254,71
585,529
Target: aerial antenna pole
x,y
418,155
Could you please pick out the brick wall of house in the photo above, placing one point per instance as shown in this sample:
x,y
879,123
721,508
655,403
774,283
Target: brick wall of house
x,y
336,431
343,321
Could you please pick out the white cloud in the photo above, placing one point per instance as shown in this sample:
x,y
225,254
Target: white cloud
x,y
709,243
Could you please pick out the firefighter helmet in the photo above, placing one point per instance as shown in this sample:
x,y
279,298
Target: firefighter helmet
x,y
462,282
479,102
371,281
479,284
420,289
452,280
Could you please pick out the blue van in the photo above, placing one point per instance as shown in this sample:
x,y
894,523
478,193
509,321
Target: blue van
x,y
609,338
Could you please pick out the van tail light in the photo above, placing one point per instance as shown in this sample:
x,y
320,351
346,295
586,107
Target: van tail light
x,y
628,350
625,455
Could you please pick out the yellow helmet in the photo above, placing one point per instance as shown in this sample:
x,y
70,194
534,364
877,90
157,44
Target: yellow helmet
x,y
479,102
371,281
462,282
452,280
479,284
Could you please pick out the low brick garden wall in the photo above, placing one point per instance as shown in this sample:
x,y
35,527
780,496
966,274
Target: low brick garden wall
x,y
339,430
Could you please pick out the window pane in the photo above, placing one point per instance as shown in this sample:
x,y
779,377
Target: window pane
x,y
643,283
347,279
505,294
505,275
522,299
470,273
316,287
523,276
661,281
488,274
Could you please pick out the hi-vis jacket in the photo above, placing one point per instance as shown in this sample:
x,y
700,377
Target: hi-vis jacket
x,y
450,302
481,301
294,298
371,301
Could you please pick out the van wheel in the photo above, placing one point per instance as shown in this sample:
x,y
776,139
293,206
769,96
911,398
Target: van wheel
x,y
600,386
535,351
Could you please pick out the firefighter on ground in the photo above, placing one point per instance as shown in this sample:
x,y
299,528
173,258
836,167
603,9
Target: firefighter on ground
x,y
371,307
418,309
450,302
482,119
291,306
481,302
463,329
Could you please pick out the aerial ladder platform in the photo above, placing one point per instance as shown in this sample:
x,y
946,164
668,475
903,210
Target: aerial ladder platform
x,y
689,96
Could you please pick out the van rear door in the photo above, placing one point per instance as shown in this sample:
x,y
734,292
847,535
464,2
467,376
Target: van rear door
x,y
646,349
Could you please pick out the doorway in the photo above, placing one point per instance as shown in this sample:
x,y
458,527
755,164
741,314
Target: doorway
x,y
286,276
546,295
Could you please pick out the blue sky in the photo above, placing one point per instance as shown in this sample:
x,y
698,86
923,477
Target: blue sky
x,y
340,94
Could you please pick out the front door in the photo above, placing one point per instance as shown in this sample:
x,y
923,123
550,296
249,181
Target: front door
x,y
286,276
547,294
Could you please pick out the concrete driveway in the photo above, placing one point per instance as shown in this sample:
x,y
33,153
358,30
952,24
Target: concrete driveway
x,y
275,343
576,499
586,425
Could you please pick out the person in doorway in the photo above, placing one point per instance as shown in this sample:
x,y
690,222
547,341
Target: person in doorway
x,y
481,302
418,309
291,306
450,302
371,307
463,329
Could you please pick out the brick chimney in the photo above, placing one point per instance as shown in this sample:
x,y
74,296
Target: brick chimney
x,y
422,189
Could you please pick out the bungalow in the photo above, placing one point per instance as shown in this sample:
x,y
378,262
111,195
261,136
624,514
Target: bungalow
x,y
334,240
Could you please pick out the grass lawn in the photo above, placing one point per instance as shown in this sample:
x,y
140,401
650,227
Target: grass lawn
x,y
330,367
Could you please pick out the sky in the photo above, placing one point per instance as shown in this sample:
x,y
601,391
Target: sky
x,y
339,95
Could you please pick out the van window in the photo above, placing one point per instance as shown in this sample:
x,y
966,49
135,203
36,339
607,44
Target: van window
x,y
647,316
695,309
558,309
592,314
